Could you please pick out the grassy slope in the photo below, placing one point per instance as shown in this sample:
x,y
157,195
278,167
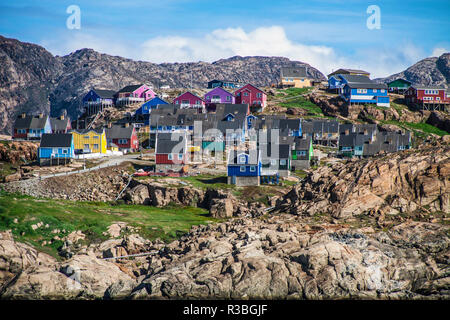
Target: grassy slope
x,y
92,218
299,102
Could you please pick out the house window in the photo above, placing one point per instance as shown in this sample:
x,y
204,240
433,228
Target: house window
x,y
259,95
95,137
245,94
228,98
180,156
375,90
382,90
65,151
123,141
252,168
55,150
242,159
438,98
207,97
283,162
361,90
238,94
242,168
86,146
170,156
301,153
95,146
273,162
86,137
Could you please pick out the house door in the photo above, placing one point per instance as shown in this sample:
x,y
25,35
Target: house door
x,y
233,179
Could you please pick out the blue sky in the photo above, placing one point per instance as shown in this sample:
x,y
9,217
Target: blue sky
x,y
328,34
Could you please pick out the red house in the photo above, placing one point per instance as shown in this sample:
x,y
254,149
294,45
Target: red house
x,y
122,136
171,151
428,98
189,100
252,96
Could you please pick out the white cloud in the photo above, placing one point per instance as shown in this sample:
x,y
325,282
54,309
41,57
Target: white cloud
x,y
439,51
262,41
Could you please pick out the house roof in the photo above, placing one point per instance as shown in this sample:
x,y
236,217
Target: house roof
x,y
233,156
105,94
228,81
119,132
188,92
400,79
320,126
248,84
166,142
284,151
302,143
30,122
423,87
130,88
347,71
295,72
58,124
352,78
56,140
223,109
219,89
84,131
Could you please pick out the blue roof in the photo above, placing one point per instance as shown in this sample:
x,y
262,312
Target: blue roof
x,y
155,101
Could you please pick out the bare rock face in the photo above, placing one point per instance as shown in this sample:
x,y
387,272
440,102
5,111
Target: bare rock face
x,y
399,183
28,274
222,208
282,258
16,151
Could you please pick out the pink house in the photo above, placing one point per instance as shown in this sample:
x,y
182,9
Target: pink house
x,y
251,95
189,100
134,94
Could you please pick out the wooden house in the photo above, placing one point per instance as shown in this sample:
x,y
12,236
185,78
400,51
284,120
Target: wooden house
x,y
90,141
295,77
302,153
355,72
399,85
29,127
219,95
147,108
366,93
252,96
171,152
56,148
61,124
124,137
133,94
96,100
244,168
428,97
190,100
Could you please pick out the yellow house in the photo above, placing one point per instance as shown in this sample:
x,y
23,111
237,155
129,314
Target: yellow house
x,y
89,141
295,77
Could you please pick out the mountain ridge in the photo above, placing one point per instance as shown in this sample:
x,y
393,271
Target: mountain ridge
x,y
33,80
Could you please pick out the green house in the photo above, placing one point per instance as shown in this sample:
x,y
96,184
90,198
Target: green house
x,y
399,85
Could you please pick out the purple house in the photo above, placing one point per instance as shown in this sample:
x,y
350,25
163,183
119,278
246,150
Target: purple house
x,y
219,95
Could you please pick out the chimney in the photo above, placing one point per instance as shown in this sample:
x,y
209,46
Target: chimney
x,y
347,132
41,115
23,115
127,124
109,125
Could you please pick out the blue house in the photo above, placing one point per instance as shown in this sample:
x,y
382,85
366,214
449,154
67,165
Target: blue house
x,y
250,119
147,107
96,100
243,170
366,93
56,148
31,127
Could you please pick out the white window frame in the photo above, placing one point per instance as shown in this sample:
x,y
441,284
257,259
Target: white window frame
x,y
282,162
241,159
252,168
273,162
180,156
242,168
170,156
95,146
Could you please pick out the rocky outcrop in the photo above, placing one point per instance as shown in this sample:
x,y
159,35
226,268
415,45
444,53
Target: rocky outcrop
x,y
430,71
33,80
282,258
399,183
15,152
99,185
28,274
220,203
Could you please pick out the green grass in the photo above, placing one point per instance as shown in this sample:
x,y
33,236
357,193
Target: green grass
x,y
6,169
420,129
92,218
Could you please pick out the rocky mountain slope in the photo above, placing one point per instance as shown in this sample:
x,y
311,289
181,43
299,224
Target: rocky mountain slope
x,y
33,80
430,71
400,183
